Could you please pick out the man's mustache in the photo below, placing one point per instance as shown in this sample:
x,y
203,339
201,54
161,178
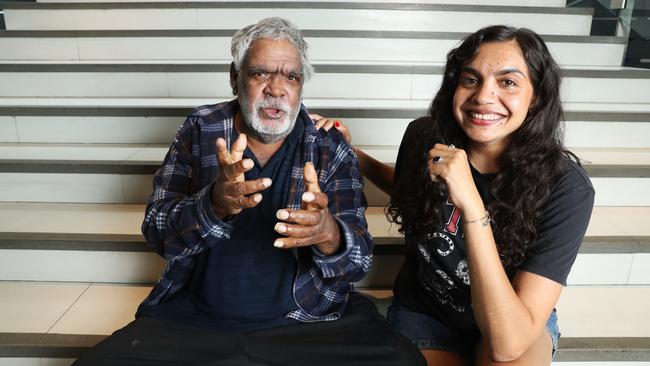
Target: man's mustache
x,y
273,103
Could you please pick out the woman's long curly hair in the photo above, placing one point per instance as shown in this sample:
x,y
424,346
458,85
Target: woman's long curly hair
x,y
529,167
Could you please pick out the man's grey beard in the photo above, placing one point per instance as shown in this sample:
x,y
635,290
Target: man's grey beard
x,y
260,131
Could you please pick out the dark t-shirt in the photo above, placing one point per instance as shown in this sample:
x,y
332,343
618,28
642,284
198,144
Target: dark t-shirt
x,y
434,278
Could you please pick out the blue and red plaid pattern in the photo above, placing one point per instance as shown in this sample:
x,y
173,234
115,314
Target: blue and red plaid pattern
x,y
179,222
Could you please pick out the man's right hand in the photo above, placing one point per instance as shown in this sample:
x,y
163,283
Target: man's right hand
x,y
231,193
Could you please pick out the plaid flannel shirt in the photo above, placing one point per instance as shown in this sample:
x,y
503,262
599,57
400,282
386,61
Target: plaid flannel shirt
x,y
179,223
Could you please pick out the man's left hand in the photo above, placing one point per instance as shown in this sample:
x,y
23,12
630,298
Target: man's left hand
x,y
313,224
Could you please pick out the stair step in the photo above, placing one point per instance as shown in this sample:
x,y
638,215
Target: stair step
x,y
331,81
305,15
133,184
60,320
121,158
68,242
180,106
535,3
121,222
155,121
324,45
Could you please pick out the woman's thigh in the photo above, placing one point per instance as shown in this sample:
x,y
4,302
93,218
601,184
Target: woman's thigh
x,y
440,358
442,346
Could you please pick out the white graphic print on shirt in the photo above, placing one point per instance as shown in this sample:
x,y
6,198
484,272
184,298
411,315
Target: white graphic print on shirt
x,y
440,262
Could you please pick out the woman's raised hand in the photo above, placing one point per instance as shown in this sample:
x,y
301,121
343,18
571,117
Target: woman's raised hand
x,y
449,164
326,124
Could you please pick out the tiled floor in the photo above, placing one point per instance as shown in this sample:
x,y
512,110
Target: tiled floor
x,y
614,156
612,311
71,218
35,307
102,310
634,221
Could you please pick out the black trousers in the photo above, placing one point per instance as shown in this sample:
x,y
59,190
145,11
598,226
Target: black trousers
x,y
361,337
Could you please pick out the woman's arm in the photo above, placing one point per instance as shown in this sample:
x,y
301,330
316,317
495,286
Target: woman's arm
x,y
379,173
509,316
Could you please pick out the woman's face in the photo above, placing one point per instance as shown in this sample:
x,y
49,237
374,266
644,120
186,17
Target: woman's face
x,y
493,94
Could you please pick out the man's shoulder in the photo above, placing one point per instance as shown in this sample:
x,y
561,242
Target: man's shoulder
x,y
212,113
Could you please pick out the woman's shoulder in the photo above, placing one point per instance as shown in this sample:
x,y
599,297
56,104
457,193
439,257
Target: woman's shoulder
x,y
573,188
573,178
417,128
421,122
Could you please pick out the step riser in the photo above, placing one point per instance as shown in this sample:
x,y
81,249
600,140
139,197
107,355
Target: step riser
x,y
142,267
69,361
321,49
24,361
536,3
365,131
348,19
324,85
127,188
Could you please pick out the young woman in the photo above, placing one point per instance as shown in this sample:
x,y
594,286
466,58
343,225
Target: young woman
x,y
492,206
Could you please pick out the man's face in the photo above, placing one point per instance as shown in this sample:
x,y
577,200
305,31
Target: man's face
x,y
269,87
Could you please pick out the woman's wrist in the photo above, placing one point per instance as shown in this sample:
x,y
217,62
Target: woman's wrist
x,y
482,221
474,210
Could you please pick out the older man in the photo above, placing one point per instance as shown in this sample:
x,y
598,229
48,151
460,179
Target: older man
x,y
261,217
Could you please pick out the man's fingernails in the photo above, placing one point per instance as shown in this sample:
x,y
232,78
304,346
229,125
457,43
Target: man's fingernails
x,y
337,124
247,163
278,244
257,198
308,196
280,227
282,214
266,182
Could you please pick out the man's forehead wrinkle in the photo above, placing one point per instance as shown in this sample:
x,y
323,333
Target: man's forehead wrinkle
x,y
275,69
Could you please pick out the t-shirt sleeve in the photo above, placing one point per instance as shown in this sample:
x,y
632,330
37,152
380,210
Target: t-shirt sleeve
x,y
562,227
410,150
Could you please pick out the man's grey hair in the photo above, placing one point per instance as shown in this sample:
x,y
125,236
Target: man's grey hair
x,y
273,28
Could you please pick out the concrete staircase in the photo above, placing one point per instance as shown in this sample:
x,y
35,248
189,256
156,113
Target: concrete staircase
x,y
91,94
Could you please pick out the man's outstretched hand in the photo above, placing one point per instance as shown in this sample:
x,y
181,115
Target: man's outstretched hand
x,y
231,193
313,224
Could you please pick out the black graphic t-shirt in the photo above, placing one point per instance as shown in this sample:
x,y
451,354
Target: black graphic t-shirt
x,y
434,279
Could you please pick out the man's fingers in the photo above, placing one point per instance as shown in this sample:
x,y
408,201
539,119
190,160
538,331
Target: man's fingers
x,y
287,243
315,200
295,231
235,189
235,171
311,178
300,217
238,147
223,155
243,202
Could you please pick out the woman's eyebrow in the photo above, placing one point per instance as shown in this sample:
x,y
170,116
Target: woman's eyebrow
x,y
510,70
507,70
470,70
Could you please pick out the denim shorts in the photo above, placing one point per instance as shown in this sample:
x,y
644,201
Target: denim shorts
x,y
428,333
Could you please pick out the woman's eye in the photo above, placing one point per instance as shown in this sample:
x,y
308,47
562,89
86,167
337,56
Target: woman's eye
x,y
466,80
508,82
